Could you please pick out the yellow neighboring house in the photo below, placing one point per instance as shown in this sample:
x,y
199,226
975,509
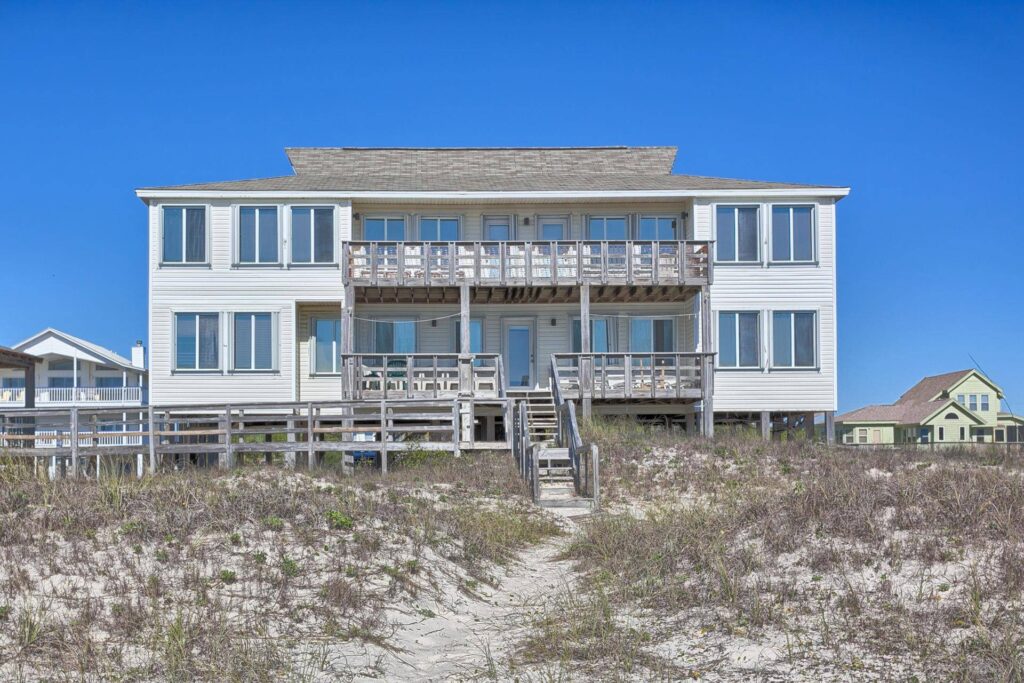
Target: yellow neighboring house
x,y
956,407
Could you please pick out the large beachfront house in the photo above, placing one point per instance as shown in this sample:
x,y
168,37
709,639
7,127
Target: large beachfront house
x,y
594,273
61,370
952,408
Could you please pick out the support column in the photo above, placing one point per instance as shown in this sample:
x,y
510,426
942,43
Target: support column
x,y
766,425
708,365
466,420
348,335
809,426
465,344
586,368
830,427
30,387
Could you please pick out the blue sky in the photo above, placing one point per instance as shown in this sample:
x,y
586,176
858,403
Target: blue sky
x,y
918,107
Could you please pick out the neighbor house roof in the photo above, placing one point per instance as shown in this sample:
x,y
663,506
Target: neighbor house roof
x,y
931,387
903,413
494,169
95,349
918,403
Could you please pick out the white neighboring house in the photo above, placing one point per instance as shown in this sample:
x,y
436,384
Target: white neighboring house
x,y
75,372
368,270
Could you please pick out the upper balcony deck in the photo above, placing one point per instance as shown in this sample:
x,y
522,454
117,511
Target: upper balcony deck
x,y
500,264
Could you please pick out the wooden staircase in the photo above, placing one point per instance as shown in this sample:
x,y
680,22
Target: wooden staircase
x,y
557,489
541,420
555,486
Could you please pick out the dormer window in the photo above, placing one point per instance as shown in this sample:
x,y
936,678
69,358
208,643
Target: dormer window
x,y
184,234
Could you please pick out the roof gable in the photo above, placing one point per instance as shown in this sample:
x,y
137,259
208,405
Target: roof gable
x,y
93,352
946,406
979,376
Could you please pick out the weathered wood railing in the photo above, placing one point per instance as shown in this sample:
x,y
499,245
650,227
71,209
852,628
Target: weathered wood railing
x,y
523,451
90,440
678,375
629,262
584,461
423,375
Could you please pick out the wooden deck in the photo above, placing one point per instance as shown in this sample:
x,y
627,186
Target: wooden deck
x,y
509,264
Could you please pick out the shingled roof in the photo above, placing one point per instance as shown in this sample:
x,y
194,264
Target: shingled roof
x,y
915,405
494,169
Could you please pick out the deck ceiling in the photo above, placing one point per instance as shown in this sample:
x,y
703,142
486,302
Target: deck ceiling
x,y
524,295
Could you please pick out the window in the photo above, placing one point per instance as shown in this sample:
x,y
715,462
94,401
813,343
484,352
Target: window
x,y
439,229
961,400
326,345
600,339
552,229
924,434
476,336
60,382
109,382
394,336
793,339
498,228
952,416
312,234
792,233
739,339
984,401
257,234
862,435
655,228
195,341
606,228
942,434
647,335
974,402
963,434
62,365
12,383
736,234
253,341
384,229
1000,436
184,234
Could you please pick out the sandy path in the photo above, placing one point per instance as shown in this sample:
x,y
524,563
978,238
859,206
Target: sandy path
x,y
460,642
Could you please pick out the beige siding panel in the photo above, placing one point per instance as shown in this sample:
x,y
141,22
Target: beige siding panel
x,y
472,217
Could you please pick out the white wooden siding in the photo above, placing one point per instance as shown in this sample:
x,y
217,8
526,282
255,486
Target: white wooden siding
x,y
224,288
770,287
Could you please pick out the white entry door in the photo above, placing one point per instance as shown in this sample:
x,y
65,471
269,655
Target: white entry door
x,y
518,352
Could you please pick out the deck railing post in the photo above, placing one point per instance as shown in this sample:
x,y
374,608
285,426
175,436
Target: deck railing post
x,y
73,433
310,435
227,456
152,442
595,474
383,438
